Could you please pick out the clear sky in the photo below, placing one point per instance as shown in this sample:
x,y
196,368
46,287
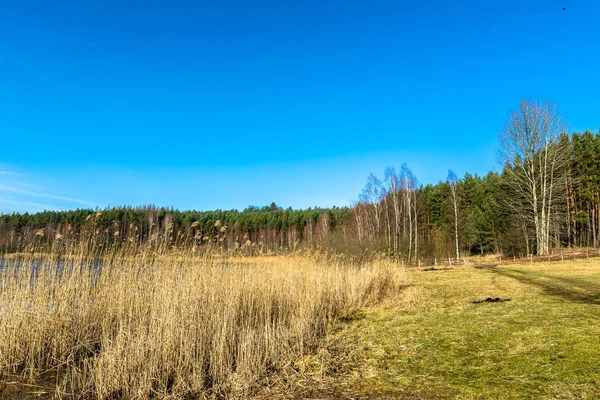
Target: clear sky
x,y
223,104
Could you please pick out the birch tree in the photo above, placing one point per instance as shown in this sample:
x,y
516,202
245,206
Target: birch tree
x,y
535,160
393,184
371,195
452,182
408,187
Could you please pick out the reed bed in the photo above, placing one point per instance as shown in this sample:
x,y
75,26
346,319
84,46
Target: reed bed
x,y
176,327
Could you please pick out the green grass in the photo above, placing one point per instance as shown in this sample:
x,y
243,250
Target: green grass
x,y
434,343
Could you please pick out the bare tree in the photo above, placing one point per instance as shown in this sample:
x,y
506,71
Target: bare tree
x,y
535,160
385,195
408,186
452,182
416,217
371,195
358,214
393,184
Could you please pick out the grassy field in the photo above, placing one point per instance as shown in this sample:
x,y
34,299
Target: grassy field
x,y
440,341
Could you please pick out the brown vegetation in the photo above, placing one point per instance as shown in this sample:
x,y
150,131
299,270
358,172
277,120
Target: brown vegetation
x,y
172,326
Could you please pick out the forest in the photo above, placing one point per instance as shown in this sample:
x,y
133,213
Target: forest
x,y
505,213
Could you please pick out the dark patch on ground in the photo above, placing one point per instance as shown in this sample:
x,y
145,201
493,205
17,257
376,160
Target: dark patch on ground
x,y
437,269
352,315
486,266
490,300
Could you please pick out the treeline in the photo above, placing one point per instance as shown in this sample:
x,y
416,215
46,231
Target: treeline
x,y
395,217
409,222
490,214
546,197
253,230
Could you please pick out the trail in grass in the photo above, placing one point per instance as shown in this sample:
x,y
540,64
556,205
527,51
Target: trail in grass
x,y
570,289
435,343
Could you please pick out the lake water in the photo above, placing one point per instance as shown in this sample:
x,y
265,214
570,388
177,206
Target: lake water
x,y
12,270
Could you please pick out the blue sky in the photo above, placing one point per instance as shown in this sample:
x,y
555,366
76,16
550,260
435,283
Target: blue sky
x,y
204,105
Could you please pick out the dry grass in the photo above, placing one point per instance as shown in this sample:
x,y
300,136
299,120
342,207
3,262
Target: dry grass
x,y
173,326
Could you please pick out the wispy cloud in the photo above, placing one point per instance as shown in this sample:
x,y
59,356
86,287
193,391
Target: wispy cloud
x,y
21,191
29,206
13,189
8,171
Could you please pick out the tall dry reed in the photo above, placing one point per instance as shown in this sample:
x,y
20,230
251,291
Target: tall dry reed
x,y
174,326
